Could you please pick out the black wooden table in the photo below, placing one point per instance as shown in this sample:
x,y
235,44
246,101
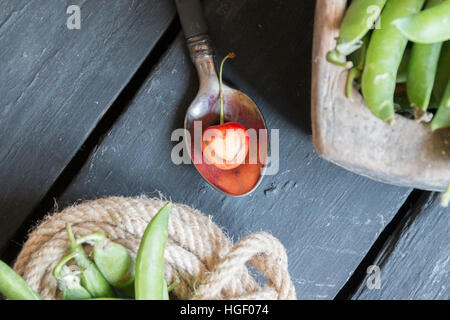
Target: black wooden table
x,y
89,113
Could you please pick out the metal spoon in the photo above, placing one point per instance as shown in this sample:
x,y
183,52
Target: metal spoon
x,y
204,111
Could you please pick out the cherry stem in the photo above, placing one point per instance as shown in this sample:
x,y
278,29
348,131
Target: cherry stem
x,y
231,55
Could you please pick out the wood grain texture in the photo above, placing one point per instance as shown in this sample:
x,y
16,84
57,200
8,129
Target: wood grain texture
x,y
57,83
415,262
327,217
345,132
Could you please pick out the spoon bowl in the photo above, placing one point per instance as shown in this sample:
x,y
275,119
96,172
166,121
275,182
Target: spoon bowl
x,y
204,112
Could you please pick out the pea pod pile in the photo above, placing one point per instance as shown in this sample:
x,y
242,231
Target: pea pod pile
x,y
111,273
390,45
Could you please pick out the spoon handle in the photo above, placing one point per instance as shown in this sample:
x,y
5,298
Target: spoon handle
x,y
192,18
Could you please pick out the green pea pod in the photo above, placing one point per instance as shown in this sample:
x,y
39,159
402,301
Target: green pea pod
x,y
91,277
358,59
76,294
441,119
443,72
358,20
445,198
165,291
422,70
114,262
422,73
13,287
402,73
338,59
384,55
429,26
106,299
150,283
69,281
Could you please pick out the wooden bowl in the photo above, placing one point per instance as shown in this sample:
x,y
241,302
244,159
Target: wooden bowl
x,y
346,133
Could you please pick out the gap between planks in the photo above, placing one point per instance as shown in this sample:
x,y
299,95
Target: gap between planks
x,y
415,198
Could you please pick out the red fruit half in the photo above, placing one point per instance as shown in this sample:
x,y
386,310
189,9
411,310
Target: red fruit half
x,y
225,146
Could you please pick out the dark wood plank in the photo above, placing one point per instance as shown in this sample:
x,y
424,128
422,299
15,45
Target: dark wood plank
x,y
415,262
326,217
57,83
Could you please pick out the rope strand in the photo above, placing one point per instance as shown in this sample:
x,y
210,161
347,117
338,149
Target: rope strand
x,y
198,254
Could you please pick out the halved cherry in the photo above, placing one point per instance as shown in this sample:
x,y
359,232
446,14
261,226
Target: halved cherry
x,y
225,146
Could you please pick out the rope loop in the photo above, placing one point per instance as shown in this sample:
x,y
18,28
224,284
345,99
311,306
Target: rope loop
x,y
198,254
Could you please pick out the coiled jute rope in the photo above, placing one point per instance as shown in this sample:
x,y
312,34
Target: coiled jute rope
x,y
198,254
